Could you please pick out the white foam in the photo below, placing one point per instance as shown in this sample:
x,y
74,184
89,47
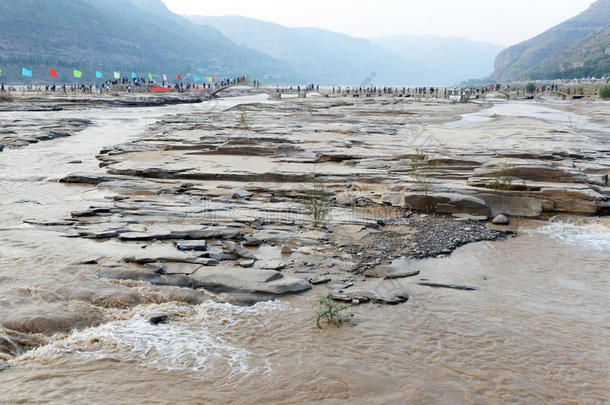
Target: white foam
x,y
186,343
594,234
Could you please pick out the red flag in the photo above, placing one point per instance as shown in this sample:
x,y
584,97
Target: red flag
x,y
179,77
53,73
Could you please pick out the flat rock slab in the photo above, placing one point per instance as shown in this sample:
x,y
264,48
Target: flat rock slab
x,y
387,292
233,279
450,286
179,268
276,236
176,280
273,265
390,272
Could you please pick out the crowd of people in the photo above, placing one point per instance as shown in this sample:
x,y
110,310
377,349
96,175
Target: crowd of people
x,y
138,84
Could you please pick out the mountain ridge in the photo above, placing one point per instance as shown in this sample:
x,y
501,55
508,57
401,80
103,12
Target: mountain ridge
x,y
553,53
335,58
120,35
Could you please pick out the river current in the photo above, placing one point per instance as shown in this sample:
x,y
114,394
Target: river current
x,y
536,332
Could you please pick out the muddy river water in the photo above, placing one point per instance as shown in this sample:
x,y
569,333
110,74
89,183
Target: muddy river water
x,y
536,331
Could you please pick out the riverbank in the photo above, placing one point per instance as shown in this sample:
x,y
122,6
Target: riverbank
x,y
180,210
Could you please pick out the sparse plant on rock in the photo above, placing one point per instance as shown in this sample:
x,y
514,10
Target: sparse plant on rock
x,y
503,183
5,97
604,92
317,203
331,312
243,120
421,170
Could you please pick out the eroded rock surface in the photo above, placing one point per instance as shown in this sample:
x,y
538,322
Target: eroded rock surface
x,y
208,202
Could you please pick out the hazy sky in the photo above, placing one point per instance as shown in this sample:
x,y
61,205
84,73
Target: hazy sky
x,y
504,22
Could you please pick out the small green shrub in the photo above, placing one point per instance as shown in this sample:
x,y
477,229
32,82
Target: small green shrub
x,y
5,97
421,168
604,92
317,203
530,88
243,120
331,312
465,98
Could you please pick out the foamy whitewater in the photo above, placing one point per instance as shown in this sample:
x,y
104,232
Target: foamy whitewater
x,y
588,233
186,343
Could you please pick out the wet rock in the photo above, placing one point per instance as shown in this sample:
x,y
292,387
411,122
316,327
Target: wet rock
x,y
240,192
468,217
177,280
157,319
450,286
239,250
48,223
246,263
275,236
319,280
346,198
353,232
273,265
390,272
196,245
99,234
534,170
447,203
91,261
394,199
500,220
252,242
515,205
381,292
87,178
229,280
574,199
179,267
167,254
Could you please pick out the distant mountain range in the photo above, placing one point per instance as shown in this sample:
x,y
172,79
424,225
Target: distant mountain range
x,y
119,35
578,47
326,57
144,36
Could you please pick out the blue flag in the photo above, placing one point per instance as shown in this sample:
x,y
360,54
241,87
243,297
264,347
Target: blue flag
x,y
197,78
98,75
25,72
133,75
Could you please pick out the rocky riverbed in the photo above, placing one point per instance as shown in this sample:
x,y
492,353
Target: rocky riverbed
x,y
220,201
152,214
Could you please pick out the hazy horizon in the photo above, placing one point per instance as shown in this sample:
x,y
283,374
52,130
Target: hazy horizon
x,y
478,20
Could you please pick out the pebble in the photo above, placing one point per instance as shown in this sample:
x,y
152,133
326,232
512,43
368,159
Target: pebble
x,y
500,220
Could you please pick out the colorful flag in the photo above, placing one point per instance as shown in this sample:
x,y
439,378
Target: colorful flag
x,y
209,79
197,78
99,74
213,80
53,73
133,75
165,77
0,72
26,72
150,76
179,77
117,75
78,74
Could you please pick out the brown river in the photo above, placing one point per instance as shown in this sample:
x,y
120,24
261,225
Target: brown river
x,y
537,331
